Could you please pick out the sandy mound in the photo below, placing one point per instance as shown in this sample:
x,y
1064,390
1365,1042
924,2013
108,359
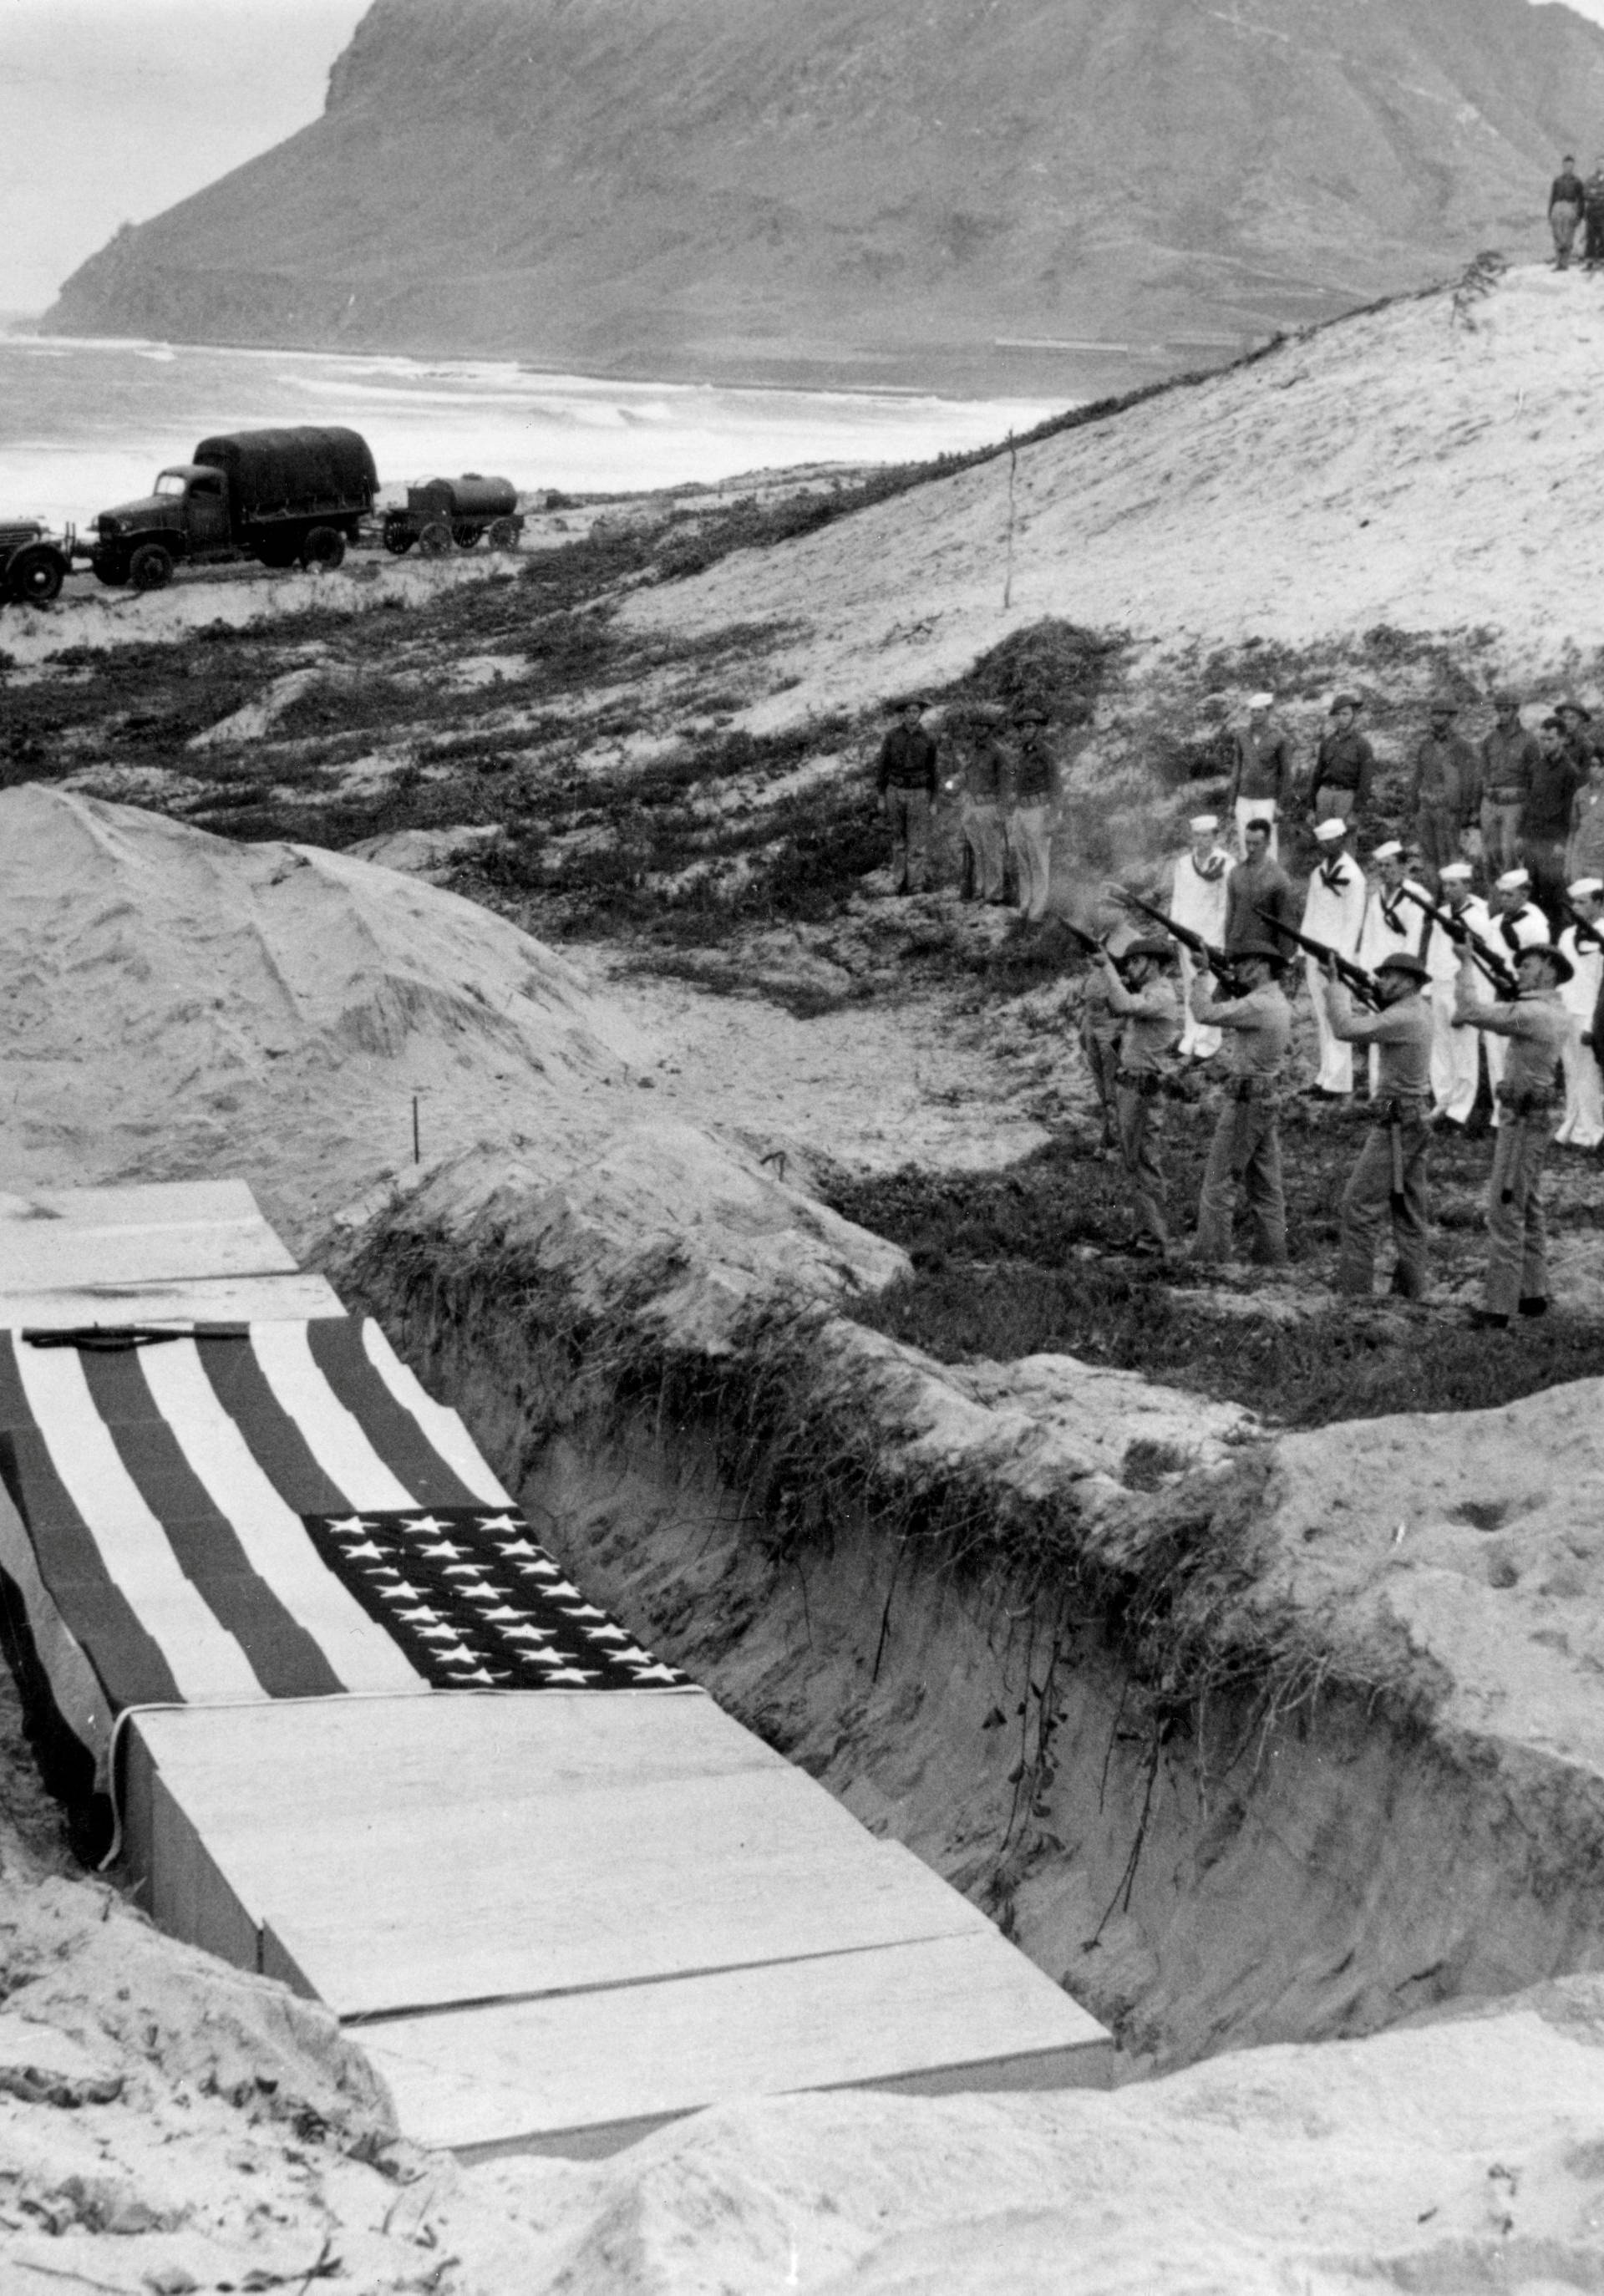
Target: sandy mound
x,y
1425,475
178,1006
1460,2156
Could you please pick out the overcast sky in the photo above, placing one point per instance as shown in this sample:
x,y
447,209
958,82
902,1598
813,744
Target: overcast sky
x,y
112,110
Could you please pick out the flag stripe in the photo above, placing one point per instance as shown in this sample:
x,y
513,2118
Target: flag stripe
x,y
76,1690
275,1442
203,1657
98,1616
446,1431
272,1534
336,1347
338,1441
282,1655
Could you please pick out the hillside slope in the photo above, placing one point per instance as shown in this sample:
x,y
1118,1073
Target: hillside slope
x,y
1421,467
871,188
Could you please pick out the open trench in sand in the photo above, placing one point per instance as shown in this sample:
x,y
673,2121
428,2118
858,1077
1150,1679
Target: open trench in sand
x,y
1202,1878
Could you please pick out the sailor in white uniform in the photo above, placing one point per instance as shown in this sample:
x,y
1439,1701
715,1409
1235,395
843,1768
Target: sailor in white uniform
x,y
1456,1052
1582,1123
1197,900
1334,914
1517,922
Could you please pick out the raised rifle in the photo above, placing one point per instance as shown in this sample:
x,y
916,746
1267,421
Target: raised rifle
x,y
1091,946
1221,966
1487,962
1352,977
1583,929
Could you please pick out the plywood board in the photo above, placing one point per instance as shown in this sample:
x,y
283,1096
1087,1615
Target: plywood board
x,y
965,2011
602,1849
202,1300
159,1203
48,1255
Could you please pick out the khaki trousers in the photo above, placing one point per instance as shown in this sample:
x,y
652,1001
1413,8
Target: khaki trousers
x,y
1517,1230
1245,1152
1500,835
1103,1058
1140,1116
908,810
1030,845
1369,1199
980,825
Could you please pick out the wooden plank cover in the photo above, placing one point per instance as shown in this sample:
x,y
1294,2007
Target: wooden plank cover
x,y
584,2073
200,1299
653,1839
68,1239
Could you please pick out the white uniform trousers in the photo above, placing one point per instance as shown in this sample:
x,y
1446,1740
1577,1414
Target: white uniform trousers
x,y
1455,1057
1336,1053
1582,1123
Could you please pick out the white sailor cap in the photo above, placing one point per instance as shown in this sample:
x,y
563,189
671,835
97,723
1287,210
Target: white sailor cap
x,y
1204,825
1389,852
1456,872
1514,881
1327,832
1585,888
1261,701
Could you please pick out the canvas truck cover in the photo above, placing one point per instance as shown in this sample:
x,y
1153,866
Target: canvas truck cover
x,y
271,472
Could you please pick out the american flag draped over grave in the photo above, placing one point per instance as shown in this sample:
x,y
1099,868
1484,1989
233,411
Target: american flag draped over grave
x,y
272,1510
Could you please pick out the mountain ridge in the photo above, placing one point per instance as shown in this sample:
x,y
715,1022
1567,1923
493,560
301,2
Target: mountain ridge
x,y
904,192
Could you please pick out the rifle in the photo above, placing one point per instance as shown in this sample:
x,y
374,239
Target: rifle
x,y
1491,966
1352,977
1221,966
1092,947
1581,926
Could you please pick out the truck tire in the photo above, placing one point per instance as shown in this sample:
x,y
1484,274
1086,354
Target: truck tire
x,y
323,549
111,568
399,537
503,533
465,536
36,574
151,568
435,539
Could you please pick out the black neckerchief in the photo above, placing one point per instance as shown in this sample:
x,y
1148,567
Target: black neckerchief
x,y
1329,872
1215,870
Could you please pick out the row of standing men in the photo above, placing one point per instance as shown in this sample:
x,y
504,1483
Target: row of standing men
x,y
1433,1008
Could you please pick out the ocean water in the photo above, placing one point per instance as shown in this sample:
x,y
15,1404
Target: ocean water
x,y
85,425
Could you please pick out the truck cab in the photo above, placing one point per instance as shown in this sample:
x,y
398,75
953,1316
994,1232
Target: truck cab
x,y
279,496
204,497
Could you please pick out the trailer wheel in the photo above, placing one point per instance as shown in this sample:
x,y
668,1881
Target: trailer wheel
x,y
151,568
435,538
323,548
35,575
465,536
503,533
399,537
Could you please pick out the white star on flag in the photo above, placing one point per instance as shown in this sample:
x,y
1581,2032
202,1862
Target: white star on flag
x,y
571,1674
479,1673
481,1594
425,1525
516,1546
525,1634
445,1548
441,1633
607,1634
581,1610
506,1611
348,1526
656,1673
501,1522
402,1593
358,1553
425,1617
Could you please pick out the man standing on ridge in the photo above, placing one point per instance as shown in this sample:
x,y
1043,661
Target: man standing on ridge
x,y
1344,766
1148,1010
1246,1147
1585,847
1444,789
1261,774
1199,892
1390,1174
1532,1027
905,784
1592,204
1566,755
1334,913
1510,757
1029,825
983,782
1568,197
1256,883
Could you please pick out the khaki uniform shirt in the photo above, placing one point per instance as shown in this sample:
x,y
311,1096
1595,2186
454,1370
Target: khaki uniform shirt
x,y
1258,1026
1152,1022
1401,1035
1535,1025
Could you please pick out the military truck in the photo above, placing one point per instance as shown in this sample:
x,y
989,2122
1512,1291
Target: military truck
x,y
285,497
445,511
33,565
